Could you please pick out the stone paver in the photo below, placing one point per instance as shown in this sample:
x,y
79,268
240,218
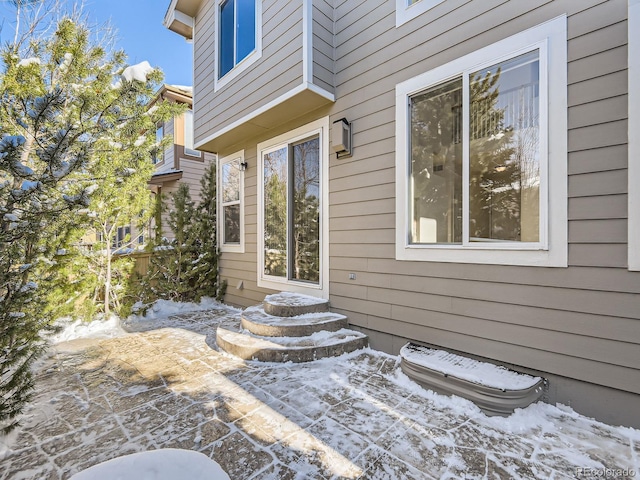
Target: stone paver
x,y
165,385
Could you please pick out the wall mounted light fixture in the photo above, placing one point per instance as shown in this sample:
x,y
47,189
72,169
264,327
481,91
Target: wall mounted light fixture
x,y
243,166
341,138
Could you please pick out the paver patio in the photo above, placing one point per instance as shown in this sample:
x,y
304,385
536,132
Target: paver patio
x,y
165,385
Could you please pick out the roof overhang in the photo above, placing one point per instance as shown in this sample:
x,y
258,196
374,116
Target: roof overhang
x,y
180,15
295,103
162,178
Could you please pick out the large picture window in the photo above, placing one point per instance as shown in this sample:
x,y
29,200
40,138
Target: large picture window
x,y
503,144
231,182
481,158
238,33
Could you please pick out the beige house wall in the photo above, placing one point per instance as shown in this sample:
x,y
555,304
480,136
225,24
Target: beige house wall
x,y
580,325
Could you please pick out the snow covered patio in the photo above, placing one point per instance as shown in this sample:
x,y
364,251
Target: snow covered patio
x,y
357,416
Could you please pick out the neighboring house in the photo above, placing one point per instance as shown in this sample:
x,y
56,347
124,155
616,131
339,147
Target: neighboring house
x,y
489,201
179,162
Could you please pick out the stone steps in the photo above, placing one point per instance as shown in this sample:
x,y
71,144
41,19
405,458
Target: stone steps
x,y
495,389
322,344
290,327
257,321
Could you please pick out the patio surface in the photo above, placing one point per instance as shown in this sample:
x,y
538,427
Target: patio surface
x,y
351,417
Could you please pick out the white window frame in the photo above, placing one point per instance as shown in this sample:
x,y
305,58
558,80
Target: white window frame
x,y
406,11
246,62
230,247
550,38
188,136
321,128
633,191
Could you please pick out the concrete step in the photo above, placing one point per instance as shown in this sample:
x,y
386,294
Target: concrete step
x,y
259,322
289,349
497,390
287,304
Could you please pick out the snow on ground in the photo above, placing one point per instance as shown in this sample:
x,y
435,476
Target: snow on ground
x,y
356,416
481,373
164,464
75,329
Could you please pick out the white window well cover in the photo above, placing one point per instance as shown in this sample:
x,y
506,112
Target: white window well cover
x,y
481,155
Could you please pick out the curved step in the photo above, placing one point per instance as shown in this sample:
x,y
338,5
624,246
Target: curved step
x,y
495,389
258,322
290,349
287,304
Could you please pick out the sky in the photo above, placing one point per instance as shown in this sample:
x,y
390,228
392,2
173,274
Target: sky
x,y
140,32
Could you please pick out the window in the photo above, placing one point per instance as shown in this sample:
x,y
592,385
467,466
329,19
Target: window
x,y
239,37
409,9
292,209
231,181
634,141
481,155
158,154
188,135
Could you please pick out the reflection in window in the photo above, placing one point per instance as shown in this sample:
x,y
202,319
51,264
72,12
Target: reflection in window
x,y
305,231
436,164
275,213
292,211
237,33
230,183
503,160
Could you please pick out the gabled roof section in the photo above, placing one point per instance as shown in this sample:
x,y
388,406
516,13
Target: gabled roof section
x,y
180,15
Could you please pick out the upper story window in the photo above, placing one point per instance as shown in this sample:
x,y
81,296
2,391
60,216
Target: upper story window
x,y
481,155
158,154
231,182
188,135
239,37
408,9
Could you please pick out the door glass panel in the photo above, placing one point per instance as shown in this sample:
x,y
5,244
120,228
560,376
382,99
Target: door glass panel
x,y
305,221
275,213
504,156
436,164
232,223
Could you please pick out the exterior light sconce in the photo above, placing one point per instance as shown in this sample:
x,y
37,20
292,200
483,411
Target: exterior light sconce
x,y
341,138
243,166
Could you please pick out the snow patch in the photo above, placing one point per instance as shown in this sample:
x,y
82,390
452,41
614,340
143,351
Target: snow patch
x,y
25,62
137,72
162,464
482,373
98,328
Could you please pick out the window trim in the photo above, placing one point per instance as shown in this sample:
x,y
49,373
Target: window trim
x,y
230,247
550,37
633,191
247,61
406,12
321,128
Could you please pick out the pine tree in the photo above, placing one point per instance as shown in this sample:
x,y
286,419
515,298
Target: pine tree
x,y
172,261
64,104
186,269
205,272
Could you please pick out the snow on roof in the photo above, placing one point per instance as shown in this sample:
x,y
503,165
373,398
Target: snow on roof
x,y
184,88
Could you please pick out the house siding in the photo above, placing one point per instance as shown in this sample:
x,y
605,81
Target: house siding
x,y
278,71
580,323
